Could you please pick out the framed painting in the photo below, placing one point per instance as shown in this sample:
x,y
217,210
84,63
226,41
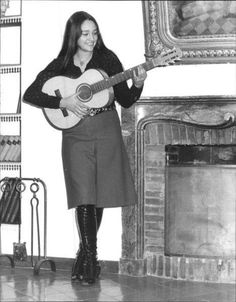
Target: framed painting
x,y
205,31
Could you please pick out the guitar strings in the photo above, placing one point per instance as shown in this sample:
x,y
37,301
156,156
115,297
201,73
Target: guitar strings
x,y
125,75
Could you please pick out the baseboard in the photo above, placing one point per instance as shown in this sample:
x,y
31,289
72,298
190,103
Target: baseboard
x,y
107,266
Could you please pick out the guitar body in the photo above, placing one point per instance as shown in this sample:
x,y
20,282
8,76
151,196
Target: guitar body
x,y
64,87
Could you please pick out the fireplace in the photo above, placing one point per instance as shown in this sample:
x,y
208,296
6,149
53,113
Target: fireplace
x,y
182,152
200,198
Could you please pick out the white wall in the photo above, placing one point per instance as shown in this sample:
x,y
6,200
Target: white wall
x,y
121,24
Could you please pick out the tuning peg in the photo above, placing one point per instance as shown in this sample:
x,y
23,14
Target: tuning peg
x,y
176,59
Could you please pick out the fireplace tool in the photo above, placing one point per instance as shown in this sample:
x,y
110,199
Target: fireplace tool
x,y
10,213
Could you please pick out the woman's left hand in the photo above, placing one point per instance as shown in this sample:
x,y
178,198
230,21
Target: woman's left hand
x,y
139,76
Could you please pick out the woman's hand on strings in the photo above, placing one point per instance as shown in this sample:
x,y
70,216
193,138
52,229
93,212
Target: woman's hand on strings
x,y
74,105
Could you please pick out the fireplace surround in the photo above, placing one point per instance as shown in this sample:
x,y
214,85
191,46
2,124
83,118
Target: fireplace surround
x,y
148,127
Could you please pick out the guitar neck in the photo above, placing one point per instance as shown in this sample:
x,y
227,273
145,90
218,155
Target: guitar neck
x,y
165,58
119,77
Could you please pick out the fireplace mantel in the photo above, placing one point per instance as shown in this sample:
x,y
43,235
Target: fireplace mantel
x,y
174,120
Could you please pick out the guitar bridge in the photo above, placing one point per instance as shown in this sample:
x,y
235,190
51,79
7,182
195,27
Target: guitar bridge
x,y
63,110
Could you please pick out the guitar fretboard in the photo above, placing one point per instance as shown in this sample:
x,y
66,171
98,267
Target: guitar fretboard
x,y
119,77
169,56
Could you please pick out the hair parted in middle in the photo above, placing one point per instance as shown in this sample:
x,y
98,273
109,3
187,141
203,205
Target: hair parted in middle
x,y
72,34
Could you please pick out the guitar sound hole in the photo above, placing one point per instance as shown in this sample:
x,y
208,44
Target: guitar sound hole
x,y
84,93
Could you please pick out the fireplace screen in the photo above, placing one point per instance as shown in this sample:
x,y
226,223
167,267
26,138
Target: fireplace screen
x,y
200,200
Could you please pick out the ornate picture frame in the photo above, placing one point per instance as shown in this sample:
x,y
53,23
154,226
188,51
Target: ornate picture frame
x,y
205,31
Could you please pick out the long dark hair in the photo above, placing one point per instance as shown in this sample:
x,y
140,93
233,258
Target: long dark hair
x,y
72,34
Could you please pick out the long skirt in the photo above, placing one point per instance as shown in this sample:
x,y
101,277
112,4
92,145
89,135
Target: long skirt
x,y
95,163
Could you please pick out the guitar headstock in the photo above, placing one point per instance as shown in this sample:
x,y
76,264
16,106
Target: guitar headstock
x,y
168,57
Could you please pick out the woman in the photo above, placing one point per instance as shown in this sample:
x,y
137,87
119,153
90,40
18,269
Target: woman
x,y
95,163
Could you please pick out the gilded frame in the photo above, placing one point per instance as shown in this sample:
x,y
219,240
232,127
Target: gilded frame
x,y
196,49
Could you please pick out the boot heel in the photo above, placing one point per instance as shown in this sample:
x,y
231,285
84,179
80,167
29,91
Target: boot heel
x,y
89,272
98,270
77,267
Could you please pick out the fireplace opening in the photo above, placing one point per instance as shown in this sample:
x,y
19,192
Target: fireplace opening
x,y
200,194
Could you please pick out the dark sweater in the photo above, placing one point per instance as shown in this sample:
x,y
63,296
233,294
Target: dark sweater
x,y
109,63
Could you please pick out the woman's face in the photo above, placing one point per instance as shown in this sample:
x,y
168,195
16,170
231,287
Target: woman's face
x,y
89,36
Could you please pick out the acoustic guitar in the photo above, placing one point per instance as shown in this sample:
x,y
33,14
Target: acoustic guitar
x,y
94,88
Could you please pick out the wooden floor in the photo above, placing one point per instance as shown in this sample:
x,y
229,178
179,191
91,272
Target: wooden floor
x,y
19,284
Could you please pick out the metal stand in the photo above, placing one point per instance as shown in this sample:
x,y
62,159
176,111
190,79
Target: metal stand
x,y
34,203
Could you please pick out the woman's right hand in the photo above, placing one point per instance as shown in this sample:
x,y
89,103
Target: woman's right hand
x,y
74,105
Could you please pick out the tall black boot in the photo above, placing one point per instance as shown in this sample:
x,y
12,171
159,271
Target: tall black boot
x,y
99,213
77,268
87,223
